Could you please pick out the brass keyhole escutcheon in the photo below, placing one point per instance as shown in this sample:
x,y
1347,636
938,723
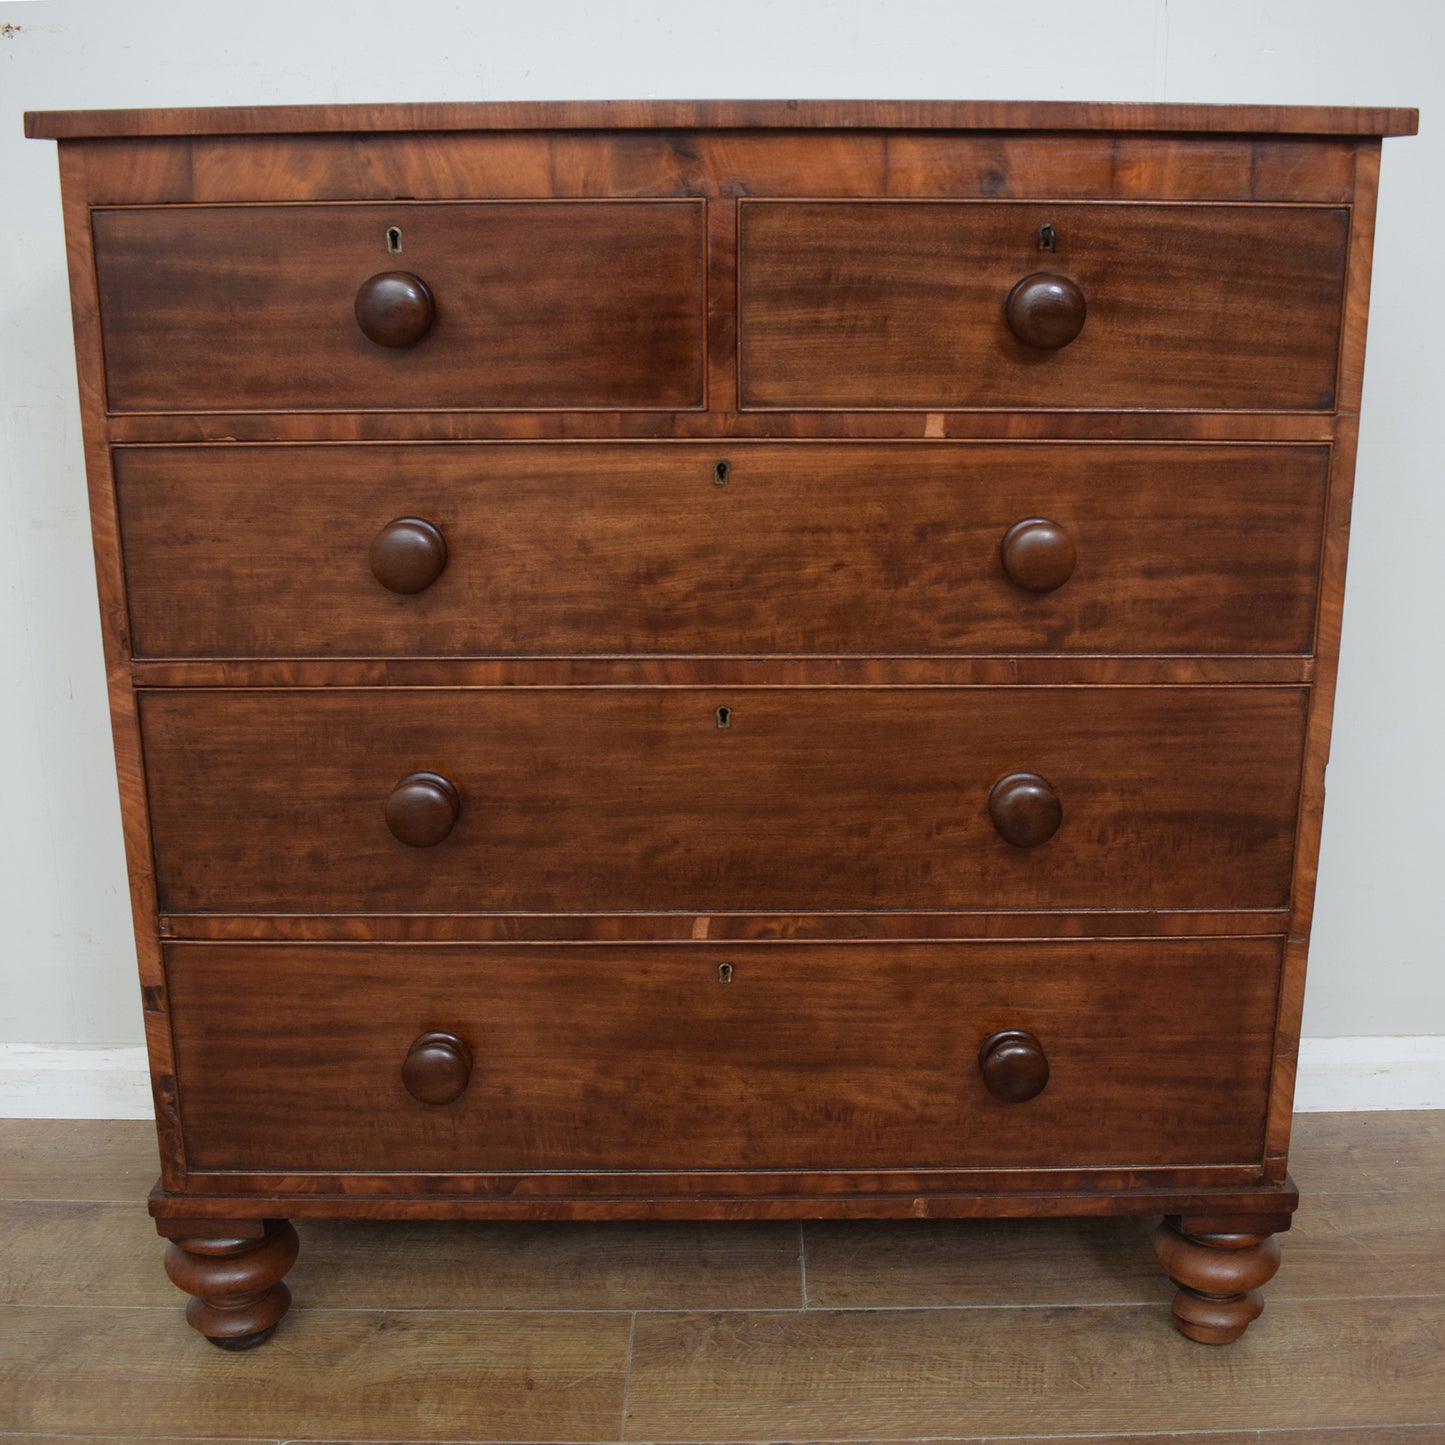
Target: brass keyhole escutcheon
x,y
720,474
725,717
393,240
724,973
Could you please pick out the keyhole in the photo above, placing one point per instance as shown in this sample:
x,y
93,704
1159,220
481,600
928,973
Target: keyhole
x,y
725,717
724,973
1048,238
720,474
393,240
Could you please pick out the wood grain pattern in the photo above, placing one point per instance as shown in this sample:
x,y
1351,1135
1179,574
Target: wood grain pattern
x,y
901,304
754,724
731,114
819,799
930,1372
76,1159
1360,1242
80,1253
1329,624
1331,1435
1391,1152
808,1058
1053,1193
740,673
736,929
543,1376
251,308
960,425
546,165
987,1263
1354,1245
612,549
609,1266
115,638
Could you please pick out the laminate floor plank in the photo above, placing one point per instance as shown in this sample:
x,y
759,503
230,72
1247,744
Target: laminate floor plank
x,y
898,1373
982,1262
1358,1245
64,1252
981,1332
370,1375
77,1159
1395,1150
627,1266
1431,1434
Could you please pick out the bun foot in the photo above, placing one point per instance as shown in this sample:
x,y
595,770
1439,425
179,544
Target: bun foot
x,y
1219,1276
235,1283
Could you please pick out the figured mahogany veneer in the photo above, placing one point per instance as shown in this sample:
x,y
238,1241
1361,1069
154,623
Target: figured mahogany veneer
x,y
721,660
586,304
905,304
635,799
811,1057
551,550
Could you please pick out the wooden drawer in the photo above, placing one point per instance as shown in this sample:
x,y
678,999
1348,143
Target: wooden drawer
x,y
854,548
811,798
879,304
543,304
813,1057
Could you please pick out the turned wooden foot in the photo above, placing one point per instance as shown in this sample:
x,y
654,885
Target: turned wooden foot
x,y
1219,1276
236,1283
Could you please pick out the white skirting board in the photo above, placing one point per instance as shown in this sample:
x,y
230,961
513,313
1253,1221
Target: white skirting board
x,y
88,1082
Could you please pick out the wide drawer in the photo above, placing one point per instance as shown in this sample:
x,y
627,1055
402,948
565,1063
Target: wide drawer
x,y
637,799
857,548
541,304
902,304
813,1056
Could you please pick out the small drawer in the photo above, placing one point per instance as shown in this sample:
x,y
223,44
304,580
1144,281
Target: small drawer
x,y
490,305
888,304
724,548
691,799
1145,1052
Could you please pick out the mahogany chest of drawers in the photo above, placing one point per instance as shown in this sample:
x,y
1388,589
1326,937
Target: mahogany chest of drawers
x,y
721,660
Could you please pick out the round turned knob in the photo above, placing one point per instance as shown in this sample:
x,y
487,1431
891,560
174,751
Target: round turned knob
x,y
1013,1066
1025,809
437,1068
422,810
395,308
408,555
1038,555
1045,311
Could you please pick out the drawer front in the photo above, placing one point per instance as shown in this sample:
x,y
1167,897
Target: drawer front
x,y
636,799
902,304
856,548
562,304
812,1057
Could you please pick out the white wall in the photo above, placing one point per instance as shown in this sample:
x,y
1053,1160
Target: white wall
x,y
66,962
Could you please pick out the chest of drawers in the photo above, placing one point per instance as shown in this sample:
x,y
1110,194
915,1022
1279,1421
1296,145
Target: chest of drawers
x,y
721,660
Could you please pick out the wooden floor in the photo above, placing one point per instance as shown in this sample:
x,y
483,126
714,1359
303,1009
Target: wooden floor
x,y
977,1331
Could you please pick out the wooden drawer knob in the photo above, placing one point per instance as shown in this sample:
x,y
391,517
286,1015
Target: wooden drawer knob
x,y
395,308
408,555
437,1069
1013,1066
1045,311
1038,555
422,809
1025,809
